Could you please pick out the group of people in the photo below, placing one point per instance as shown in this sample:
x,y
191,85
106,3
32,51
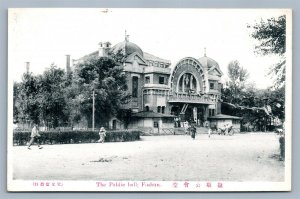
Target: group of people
x,y
35,136
192,129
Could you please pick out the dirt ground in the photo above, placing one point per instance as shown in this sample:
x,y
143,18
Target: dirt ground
x,y
241,157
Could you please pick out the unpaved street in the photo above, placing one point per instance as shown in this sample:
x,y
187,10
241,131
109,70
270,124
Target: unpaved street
x,y
242,157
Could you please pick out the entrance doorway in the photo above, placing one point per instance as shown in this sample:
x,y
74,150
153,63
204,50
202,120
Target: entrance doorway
x,y
114,124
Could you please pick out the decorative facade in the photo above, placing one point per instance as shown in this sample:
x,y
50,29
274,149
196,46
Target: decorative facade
x,y
163,97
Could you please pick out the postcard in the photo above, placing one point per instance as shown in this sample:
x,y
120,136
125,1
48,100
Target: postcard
x,y
177,100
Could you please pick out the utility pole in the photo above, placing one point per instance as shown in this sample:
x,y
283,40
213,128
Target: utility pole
x,y
93,110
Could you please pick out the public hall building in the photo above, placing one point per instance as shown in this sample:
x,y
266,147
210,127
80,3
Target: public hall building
x,y
163,96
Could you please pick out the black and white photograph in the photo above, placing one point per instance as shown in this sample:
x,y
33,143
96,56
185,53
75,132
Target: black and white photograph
x,y
180,100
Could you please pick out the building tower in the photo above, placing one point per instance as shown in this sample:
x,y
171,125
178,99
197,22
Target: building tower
x,y
104,47
68,64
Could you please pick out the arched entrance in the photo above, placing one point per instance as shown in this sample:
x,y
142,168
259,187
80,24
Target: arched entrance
x,y
188,96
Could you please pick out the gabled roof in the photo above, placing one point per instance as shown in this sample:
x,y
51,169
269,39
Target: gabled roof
x,y
94,54
151,114
150,57
215,68
132,56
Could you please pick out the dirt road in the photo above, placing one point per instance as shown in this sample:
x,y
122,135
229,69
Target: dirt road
x,y
242,157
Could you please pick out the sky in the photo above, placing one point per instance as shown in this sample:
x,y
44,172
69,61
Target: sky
x,y
45,36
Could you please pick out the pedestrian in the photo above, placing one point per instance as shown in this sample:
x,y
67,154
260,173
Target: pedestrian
x,y
193,131
186,127
35,136
102,134
209,132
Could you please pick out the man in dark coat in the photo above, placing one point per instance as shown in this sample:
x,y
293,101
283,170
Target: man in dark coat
x,y
193,130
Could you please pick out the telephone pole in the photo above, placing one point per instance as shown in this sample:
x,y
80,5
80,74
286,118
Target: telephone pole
x,y
93,110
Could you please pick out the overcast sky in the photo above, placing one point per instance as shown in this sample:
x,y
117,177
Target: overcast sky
x,y
44,36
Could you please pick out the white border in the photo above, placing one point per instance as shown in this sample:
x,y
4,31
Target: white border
x,y
19,185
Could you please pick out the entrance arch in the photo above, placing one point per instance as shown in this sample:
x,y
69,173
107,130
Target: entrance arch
x,y
188,72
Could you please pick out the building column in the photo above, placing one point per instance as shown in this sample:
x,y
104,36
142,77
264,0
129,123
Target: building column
x,y
206,113
183,83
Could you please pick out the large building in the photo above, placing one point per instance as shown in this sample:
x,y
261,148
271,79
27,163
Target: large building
x,y
164,96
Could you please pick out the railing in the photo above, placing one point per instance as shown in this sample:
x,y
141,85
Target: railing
x,y
180,97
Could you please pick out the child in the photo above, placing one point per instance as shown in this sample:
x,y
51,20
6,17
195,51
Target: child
x,y
209,132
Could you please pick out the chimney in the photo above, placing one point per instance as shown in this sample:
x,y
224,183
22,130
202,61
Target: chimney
x,y
103,49
27,65
68,66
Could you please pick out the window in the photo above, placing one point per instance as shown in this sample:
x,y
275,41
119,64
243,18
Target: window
x,y
163,109
161,80
211,85
135,84
147,108
187,82
147,80
211,112
155,124
158,109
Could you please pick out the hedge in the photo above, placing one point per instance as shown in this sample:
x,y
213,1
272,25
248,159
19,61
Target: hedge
x,y
71,137
282,147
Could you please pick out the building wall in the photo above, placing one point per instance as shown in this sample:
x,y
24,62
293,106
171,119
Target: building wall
x,y
135,102
156,78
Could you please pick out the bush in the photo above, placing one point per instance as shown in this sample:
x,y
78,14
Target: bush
x,y
70,137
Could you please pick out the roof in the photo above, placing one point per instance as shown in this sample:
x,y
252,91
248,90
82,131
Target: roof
x,y
129,48
222,116
94,54
151,114
208,62
150,57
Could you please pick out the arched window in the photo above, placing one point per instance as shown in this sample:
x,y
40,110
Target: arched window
x,y
135,85
158,109
187,83
147,108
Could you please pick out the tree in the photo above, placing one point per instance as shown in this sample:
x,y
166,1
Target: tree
x,y
26,107
271,37
51,97
104,76
238,76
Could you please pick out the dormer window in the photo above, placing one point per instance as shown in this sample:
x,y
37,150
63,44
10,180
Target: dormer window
x,y
147,80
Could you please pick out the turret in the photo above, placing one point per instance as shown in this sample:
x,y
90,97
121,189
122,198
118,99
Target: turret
x,y
104,48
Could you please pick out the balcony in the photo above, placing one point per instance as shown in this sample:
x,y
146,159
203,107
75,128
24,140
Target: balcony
x,y
193,98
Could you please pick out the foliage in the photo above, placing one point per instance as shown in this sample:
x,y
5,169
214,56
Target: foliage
x,y
58,99
51,97
252,106
238,76
104,77
25,104
271,37
70,137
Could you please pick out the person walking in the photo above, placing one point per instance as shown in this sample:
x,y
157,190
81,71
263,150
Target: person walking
x,y
35,136
193,131
186,127
102,134
209,132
